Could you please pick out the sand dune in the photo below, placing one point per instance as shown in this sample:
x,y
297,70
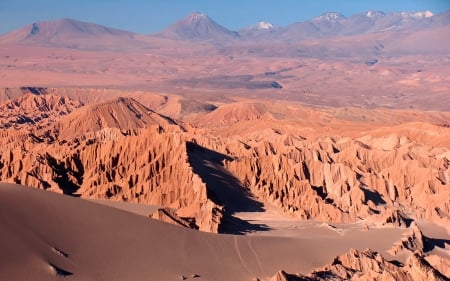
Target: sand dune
x,y
41,230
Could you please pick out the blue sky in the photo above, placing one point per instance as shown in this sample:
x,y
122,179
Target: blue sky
x,y
149,16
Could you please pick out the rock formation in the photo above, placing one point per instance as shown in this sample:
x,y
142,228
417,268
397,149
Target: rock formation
x,y
32,109
413,241
395,217
346,179
122,150
369,265
170,216
116,150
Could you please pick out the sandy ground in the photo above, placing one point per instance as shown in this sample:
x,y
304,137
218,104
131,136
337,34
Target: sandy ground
x,y
138,209
201,72
44,235
279,224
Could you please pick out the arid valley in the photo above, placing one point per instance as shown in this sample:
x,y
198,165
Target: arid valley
x,y
315,151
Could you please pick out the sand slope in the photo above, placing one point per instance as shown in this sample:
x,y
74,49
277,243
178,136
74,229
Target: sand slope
x,y
41,231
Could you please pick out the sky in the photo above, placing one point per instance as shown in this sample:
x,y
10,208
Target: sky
x,y
150,16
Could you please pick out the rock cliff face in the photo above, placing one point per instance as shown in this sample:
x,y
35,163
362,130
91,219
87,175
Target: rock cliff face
x,y
132,155
347,179
122,150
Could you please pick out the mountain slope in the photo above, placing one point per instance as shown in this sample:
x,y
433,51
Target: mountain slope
x,y
121,113
198,27
263,30
68,33
332,24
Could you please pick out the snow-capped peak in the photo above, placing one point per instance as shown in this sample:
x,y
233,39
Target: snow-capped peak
x,y
264,25
199,16
423,14
331,16
374,14
417,15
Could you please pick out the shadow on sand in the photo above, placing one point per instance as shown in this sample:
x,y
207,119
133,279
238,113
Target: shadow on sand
x,y
224,189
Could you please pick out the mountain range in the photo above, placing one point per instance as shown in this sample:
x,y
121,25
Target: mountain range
x,y
199,27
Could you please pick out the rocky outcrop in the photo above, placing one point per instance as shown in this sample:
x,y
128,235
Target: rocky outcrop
x,y
393,217
133,155
206,217
345,179
369,265
419,269
35,110
170,216
281,276
413,240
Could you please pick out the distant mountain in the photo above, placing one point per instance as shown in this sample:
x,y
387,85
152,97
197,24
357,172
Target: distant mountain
x,y
363,22
260,30
401,21
334,24
300,31
198,27
325,25
328,24
329,17
68,33
263,25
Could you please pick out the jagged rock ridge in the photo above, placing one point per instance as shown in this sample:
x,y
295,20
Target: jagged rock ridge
x,y
31,109
132,154
369,265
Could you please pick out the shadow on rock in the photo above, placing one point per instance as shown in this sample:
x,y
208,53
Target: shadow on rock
x,y
224,188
